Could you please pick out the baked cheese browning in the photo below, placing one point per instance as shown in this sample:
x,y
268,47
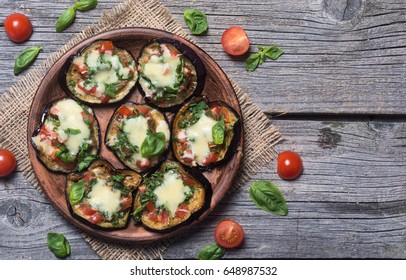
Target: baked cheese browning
x,y
101,195
166,76
102,73
68,138
203,132
168,198
139,135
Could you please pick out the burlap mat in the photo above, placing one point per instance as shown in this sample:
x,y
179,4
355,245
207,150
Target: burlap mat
x,y
260,135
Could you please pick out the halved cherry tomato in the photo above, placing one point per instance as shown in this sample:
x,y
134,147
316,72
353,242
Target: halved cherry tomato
x,y
106,46
86,210
229,234
7,162
143,110
182,210
150,207
212,157
125,203
290,165
125,111
18,27
96,218
105,99
235,41
188,181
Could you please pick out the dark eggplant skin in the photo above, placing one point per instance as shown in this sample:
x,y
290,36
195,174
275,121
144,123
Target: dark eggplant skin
x,y
164,154
38,128
194,59
62,77
74,177
196,174
234,144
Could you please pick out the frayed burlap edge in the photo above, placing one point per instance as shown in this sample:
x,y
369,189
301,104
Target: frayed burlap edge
x,y
260,136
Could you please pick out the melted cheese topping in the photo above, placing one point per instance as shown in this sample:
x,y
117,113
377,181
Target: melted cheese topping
x,y
136,130
171,193
161,70
163,127
199,136
104,198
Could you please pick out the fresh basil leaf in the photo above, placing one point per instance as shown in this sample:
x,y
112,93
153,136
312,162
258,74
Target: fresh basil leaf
x,y
25,59
218,132
58,244
85,5
65,156
252,62
72,131
65,19
256,59
153,145
267,196
211,252
76,192
273,52
196,21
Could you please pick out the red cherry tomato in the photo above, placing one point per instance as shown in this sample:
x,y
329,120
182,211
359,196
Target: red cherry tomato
x,y
125,111
290,165
106,46
235,41
229,234
7,162
18,27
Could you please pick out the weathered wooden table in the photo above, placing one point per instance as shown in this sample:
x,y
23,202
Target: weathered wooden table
x,y
337,96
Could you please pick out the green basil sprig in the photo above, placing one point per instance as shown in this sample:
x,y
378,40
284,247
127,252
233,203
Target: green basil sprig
x,y
72,131
196,21
211,252
76,192
256,59
65,19
267,196
58,244
218,132
85,5
153,145
25,59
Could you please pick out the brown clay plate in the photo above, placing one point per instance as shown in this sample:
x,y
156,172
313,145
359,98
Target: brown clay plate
x,y
216,87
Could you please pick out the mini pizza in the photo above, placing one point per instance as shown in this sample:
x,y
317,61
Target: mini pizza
x,y
101,73
102,195
67,139
204,133
170,197
168,77
139,135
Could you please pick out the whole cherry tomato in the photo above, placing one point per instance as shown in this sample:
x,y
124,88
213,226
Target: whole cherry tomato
x,y
235,41
18,27
7,162
290,165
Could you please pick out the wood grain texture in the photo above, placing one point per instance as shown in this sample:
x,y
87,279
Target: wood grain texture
x,y
344,63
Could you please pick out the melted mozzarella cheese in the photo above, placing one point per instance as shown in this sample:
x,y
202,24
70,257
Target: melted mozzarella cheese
x,y
199,136
136,131
44,145
163,127
161,71
92,59
104,198
69,114
171,193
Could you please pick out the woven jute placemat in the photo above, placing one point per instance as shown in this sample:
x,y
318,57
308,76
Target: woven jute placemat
x,y
260,136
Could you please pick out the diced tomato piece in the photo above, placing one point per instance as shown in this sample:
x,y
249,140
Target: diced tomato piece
x,y
87,116
90,91
125,111
164,217
89,176
106,46
105,99
82,69
188,159
212,157
44,131
143,110
154,217
182,211
142,188
216,111
189,181
143,164
86,210
96,218
150,207
125,203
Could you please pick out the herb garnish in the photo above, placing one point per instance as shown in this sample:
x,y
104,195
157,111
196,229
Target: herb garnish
x,y
254,60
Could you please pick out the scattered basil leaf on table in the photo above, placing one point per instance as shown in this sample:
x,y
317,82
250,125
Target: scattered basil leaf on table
x,y
267,196
254,60
58,244
211,252
153,144
196,21
65,19
218,132
76,192
85,5
25,59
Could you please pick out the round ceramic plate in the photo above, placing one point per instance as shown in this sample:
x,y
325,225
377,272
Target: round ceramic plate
x,y
216,87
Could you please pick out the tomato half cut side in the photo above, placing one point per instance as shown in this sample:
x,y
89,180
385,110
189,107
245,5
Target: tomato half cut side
x,y
229,234
235,41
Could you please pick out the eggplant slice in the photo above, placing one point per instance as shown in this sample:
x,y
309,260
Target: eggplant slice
x,y
102,196
139,135
170,73
67,139
171,197
101,73
204,133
